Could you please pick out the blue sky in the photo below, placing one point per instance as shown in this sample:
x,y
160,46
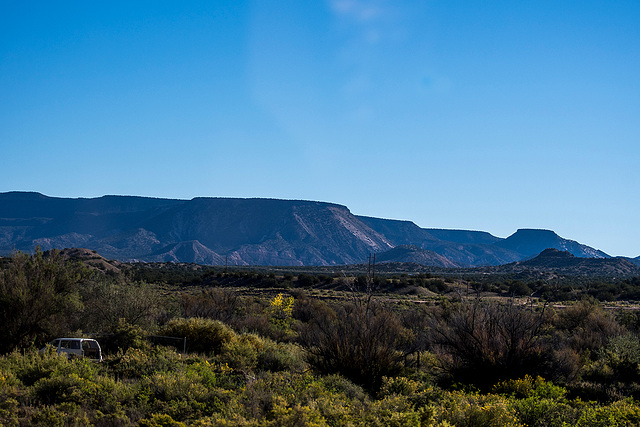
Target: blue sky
x,y
489,116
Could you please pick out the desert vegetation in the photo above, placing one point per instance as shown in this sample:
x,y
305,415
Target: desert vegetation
x,y
207,347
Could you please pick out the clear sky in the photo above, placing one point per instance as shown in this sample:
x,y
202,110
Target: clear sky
x,y
476,115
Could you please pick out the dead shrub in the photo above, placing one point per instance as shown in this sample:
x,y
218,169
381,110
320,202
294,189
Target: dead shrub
x,y
482,342
358,340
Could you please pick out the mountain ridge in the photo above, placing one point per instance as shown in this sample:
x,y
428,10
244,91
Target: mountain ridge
x,y
251,231
565,263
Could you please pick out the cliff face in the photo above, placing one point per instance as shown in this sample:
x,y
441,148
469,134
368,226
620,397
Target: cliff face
x,y
250,232
205,230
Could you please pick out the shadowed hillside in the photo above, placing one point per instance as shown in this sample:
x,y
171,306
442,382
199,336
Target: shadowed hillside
x,y
257,231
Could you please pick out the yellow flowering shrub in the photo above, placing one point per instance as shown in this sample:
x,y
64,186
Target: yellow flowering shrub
x,y
281,308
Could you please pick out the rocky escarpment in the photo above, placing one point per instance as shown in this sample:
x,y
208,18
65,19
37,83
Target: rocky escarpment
x,y
252,232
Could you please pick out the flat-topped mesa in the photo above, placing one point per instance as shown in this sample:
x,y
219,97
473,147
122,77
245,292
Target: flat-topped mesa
x,y
255,231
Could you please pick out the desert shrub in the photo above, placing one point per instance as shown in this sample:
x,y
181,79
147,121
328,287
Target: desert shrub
x,y
482,343
9,383
358,340
122,336
565,364
615,371
9,411
398,411
338,410
283,414
334,399
263,392
225,421
137,363
518,288
275,356
109,301
167,386
59,415
33,365
242,353
203,335
436,285
63,388
415,339
417,392
474,410
398,385
281,309
252,352
258,323
280,315
340,385
114,419
537,402
217,304
622,353
38,298
621,413
307,280
82,383
629,319
160,420
305,308
529,386
585,327
544,412
216,375
258,316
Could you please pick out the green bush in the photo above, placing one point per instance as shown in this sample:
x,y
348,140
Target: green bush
x,y
167,386
242,352
285,415
621,413
398,385
9,411
63,414
203,335
136,362
586,327
537,412
252,352
474,410
276,356
622,353
339,384
160,420
123,336
33,365
397,411
530,387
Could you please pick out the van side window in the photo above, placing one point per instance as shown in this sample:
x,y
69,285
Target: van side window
x,y
64,343
55,343
75,345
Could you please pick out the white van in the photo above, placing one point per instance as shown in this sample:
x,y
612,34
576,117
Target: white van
x,y
82,347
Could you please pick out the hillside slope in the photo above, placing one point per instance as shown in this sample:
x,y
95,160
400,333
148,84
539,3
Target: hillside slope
x,y
565,263
245,231
250,232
